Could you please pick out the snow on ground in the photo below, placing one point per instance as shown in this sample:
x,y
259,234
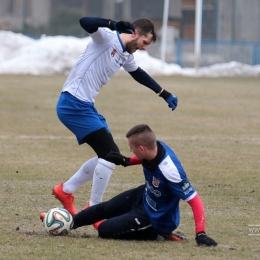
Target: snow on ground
x,y
49,55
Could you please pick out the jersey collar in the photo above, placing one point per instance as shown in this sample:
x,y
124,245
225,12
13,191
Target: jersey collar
x,y
122,45
151,165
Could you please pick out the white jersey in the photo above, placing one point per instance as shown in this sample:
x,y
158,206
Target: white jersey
x,y
102,58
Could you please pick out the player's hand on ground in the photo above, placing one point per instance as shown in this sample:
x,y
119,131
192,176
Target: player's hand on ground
x,y
121,26
118,159
171,99
202,239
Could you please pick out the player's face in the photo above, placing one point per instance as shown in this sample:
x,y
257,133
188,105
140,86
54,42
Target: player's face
x,y
138,151
139,43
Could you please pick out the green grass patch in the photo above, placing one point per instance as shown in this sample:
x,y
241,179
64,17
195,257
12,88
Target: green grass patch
x,y
214,131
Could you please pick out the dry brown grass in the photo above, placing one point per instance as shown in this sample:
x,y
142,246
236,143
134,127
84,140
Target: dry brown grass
x,y
215,131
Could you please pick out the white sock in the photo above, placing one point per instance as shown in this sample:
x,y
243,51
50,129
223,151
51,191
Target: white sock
x,y
84,174
101,178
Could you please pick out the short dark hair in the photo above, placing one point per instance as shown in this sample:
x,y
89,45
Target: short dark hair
x,y
145,26
143,135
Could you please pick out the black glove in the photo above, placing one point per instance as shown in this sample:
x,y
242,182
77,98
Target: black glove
x,y
202,239
171,99
118,159
121,26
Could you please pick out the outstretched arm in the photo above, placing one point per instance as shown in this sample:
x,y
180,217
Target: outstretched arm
x,y
200,226
198,214
91,24
119,159
143,78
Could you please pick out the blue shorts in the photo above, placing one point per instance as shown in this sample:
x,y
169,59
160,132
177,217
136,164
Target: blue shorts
x,y
80,117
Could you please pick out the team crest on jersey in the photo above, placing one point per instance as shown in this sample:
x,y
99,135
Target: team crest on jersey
x,y
155,182
113,52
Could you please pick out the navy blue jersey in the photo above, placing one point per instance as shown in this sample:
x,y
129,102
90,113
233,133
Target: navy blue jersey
x,y
166,184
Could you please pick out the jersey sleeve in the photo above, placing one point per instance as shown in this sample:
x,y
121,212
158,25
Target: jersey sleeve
x,y
177,180
130,64
102,36
98,29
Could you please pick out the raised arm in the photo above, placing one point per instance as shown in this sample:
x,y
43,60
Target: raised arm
x,y
91,24
119,159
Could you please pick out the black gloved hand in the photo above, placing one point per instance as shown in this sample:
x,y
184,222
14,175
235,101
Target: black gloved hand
x,y
202,239
121,26
118,159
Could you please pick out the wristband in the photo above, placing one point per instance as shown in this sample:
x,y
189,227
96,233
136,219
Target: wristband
x,y
165,94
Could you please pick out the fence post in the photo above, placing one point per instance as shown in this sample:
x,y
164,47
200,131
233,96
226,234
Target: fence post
x,y
179,53
256,54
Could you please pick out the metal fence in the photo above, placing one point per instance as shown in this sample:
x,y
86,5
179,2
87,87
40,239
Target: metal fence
x,y
212,52
182,52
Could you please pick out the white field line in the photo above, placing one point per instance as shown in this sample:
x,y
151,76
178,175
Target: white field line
x,y
255,139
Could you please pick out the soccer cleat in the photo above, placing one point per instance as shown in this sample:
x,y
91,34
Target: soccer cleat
x,y
66,199
42,216
96,225
174,236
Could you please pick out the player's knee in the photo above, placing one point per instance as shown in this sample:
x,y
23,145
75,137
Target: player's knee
x,y
104,231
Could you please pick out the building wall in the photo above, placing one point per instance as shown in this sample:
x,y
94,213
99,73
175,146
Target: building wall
x,y
40,14
222,19
238,20
11,14
247,20
175,9
14,13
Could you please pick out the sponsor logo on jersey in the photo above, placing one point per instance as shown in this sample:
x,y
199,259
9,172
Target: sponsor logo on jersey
x,y
156,193
113,52
188,191
155,182
185,186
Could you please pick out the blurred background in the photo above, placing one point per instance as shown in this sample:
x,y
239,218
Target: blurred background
x,y
230,28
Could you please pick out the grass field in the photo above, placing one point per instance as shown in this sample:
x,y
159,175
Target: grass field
x,y
215,132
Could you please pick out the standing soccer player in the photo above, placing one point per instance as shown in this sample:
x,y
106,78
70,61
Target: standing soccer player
x,y
111,47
